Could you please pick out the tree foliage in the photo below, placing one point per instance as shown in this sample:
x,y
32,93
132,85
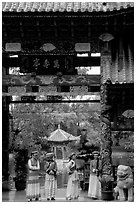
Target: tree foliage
x,y
36,121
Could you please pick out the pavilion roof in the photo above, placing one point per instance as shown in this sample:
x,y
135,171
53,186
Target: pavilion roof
x,y
64,6
60,135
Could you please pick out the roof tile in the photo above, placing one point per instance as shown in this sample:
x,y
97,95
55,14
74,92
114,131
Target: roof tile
x,y
64,6
60,135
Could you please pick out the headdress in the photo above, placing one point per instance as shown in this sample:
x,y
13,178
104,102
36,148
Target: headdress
x,y
50,155
95,153
34,153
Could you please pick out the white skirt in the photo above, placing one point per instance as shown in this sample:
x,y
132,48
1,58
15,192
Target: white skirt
x,y
72,186
33,187
50,186
94,190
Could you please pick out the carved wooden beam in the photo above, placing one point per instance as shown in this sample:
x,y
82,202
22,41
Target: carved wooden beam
x,y
51,90
80,80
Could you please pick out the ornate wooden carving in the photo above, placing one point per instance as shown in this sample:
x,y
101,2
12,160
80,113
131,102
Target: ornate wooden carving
x,y
48,90
16,89
79,89
106,141
105,120
60,47
12,80
50,85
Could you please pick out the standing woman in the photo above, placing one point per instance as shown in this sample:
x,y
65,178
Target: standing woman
x,y
33,184
50,177
72,186
94,190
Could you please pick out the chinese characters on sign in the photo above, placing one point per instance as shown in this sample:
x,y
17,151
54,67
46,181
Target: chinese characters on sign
x,y
46,64
43,64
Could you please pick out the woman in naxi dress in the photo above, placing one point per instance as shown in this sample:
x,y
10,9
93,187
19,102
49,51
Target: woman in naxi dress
x,y
33,184
94,190
72,185
51,176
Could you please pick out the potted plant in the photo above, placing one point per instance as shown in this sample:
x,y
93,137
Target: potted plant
x,y
21,159
107,187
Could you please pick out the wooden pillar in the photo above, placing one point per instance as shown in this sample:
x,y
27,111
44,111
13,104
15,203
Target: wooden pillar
x,y
106,141
5,142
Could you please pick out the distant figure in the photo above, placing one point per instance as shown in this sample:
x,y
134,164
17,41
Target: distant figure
x,y
94,190
50,177
72,186
83,145
33,184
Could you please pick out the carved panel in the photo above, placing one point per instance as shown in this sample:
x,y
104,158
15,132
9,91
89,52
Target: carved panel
x,y
47,89
16,89
10,80
79,89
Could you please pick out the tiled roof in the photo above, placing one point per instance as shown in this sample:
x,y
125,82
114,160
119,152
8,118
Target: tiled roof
x,y
64,6
60,135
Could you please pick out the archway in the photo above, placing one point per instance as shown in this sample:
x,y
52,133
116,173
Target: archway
x,y
70,32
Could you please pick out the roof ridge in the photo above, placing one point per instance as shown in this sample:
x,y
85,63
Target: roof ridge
x,y
63,133
64,6
52,134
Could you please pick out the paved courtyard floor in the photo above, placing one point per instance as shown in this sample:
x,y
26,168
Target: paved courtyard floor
x,y
20,196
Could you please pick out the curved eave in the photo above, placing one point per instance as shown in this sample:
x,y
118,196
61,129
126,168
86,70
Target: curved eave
x,y
62,141
58,143
64,6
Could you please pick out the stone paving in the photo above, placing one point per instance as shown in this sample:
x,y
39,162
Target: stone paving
x,y
20,196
